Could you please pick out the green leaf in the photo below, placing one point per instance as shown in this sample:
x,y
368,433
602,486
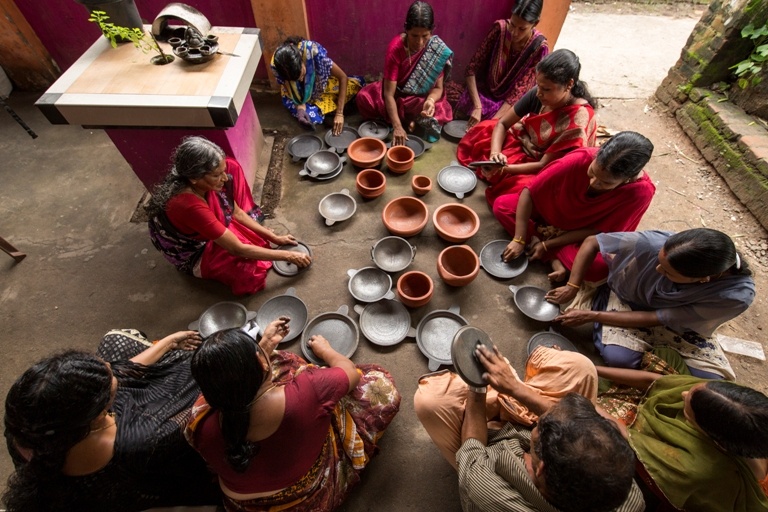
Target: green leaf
x,y
743,83
747,31
742,67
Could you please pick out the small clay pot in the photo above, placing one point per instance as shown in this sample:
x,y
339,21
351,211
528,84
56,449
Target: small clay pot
x,y
370,183
400,159
211,39
366,152
455,222
405,216
175,41
458,265
421,184
415,289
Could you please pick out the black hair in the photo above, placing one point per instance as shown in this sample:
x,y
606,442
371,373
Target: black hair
x,y
588,465
193,158
703,252
48,410
562,66
625,154
229,374
528,10
733,416
420,15
287,59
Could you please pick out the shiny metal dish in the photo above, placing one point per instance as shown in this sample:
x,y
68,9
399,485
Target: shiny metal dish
x,y
337,207
550,339
339,329
457,179
467,365
393,254
221,316
370,284
454,130
284,305
336,173
341,141
303,146
377,129
287,269
491,260
385,323
322,163
530,301
435,333
417,144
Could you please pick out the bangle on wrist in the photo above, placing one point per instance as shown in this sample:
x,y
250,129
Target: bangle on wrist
x,y
339,114
478,389
520,240
573,285
545,245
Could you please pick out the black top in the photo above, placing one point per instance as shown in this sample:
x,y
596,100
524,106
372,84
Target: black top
x,y
528,104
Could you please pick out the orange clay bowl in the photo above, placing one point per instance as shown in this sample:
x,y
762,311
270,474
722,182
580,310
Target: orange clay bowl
x,y
455,222
421,184
415,288
370,183
400,159
366,152
458,265
405,216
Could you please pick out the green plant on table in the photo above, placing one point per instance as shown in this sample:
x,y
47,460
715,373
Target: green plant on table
x,y
748,70
115,33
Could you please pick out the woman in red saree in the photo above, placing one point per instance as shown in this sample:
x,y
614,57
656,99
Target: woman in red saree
x,y
411,91
553,118
503,67
588,191
204,221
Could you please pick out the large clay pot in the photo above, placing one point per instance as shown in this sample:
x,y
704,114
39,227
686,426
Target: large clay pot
x,y
455,222
370,183
421,184
405,216
415,288
366,152
458,265
400,159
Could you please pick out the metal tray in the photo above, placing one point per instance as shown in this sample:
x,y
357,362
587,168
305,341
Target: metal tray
x,y
303,146
339,329
467,365
341,141
530,301
435,332
385,323
370,284
454,130
457,179
491,260
284,305
287,269
376,129
337,207
550,339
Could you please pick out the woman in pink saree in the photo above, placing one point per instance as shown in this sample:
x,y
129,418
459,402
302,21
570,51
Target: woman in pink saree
x,y
411,91
204,221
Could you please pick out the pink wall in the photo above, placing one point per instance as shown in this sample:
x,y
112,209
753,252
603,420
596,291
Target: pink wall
x,y
356,34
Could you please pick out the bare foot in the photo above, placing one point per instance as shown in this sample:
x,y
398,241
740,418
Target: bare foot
x,y
559,272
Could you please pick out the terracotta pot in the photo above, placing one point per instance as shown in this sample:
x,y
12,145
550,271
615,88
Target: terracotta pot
x,y
415,289
366,152
370,183
405,216
400,159
458,265
421,184
455,222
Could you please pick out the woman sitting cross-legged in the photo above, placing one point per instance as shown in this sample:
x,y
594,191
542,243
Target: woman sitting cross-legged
x,y
553,118
282,434
588,191
204,221
664,290
90,433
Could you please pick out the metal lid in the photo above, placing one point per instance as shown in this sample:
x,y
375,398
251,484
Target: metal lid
x,y
467,365
376,129
285,268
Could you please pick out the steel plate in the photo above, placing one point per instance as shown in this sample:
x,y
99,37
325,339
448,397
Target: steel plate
x,y
457,179
385,323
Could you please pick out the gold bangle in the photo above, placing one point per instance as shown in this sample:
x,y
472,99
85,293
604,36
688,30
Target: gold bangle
x,y
339,114
520,240
578,287
545,246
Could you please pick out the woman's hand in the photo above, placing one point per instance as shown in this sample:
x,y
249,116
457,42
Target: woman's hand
x,y
284,240
561,295
302,115
537,251
399,136
576,317
338,123
489,171
499,158
299,259
274,333
512,251
474,117
429,108
182,340
499,371
319,346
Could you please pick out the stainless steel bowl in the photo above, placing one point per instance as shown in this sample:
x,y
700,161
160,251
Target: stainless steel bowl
x,y
370,284
322,163
337,207
221,316
393,254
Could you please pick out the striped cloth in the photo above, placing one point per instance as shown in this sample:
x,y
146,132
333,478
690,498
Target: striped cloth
x,y
493,478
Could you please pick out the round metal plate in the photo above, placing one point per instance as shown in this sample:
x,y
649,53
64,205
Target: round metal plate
x,y
435,333
285,268
377,129
393,254
493,263
340,330
530,301
385,322
284,305
342,140
467,365
304,146
457,179
454,130
550,339
370,284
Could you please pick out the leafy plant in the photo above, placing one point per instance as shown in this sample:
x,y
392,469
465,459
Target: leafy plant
x,y
116,34
748,70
